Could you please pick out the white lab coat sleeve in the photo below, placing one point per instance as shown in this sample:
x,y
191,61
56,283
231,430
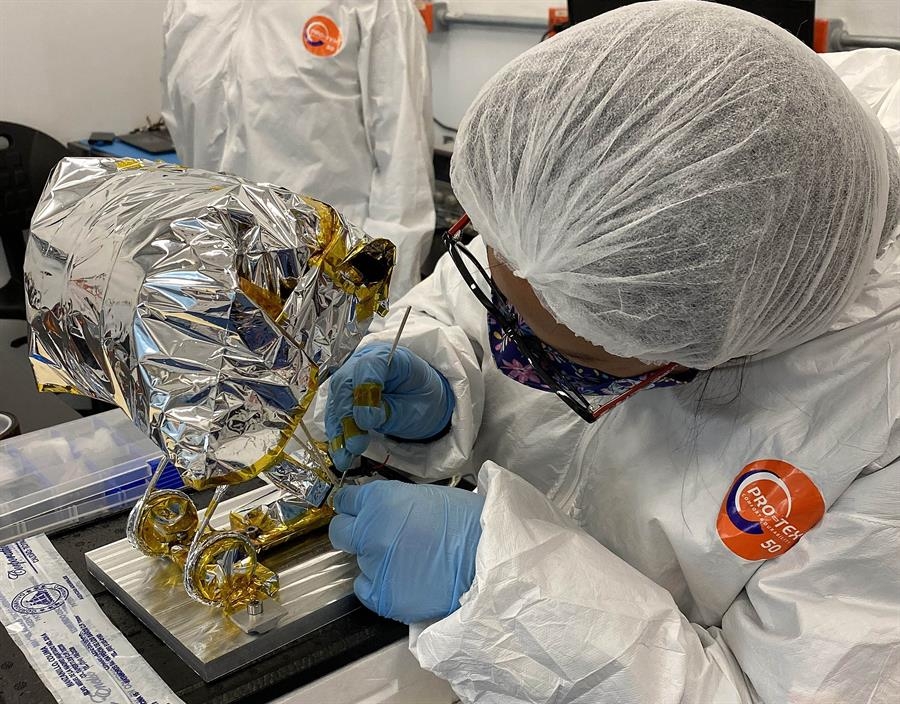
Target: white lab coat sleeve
x,y
553,616
444,332
396,90
821,625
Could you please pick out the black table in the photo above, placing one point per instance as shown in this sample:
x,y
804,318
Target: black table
x,y
19,395
349,638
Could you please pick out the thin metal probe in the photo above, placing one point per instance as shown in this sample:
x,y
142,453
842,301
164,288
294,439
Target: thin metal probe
x,y
397,336
389,360
316,453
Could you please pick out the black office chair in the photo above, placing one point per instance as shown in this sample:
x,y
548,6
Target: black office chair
x,y
26,159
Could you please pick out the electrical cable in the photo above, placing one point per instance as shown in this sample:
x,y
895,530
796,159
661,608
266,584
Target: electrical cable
x,y
554,30
443,126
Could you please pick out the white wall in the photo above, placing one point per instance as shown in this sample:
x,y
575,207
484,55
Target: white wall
x,y
464,57
71,67
870,17
519,8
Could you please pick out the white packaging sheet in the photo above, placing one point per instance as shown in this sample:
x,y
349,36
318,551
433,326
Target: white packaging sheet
x,y
69,641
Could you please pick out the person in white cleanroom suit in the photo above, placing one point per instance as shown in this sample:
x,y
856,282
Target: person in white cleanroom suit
x,y
671,183
330,99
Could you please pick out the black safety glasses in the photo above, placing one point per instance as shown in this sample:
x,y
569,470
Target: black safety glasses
x,y
482,286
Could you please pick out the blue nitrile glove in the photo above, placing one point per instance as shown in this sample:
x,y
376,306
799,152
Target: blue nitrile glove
x,y
410,401
415,545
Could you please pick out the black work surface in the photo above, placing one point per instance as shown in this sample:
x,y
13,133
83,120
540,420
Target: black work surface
x,y
347,639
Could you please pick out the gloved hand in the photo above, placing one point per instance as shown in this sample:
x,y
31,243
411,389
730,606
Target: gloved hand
x,y
415,545
410,400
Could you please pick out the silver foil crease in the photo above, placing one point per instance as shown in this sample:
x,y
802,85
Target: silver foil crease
x,y
206,307
300,480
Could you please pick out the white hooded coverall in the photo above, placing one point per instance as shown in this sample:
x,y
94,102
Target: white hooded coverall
x,y
601,575
244,93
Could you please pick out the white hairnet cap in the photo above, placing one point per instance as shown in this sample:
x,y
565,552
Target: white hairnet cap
x,y
679,181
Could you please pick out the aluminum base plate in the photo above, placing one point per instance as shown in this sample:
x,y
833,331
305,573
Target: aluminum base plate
x,y
316,588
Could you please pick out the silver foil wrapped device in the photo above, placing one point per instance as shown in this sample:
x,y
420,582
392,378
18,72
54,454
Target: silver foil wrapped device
x,y
207,307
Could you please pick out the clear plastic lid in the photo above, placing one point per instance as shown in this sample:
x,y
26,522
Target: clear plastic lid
x,y
53,477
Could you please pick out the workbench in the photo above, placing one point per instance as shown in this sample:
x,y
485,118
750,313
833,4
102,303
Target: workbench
x,y
345,640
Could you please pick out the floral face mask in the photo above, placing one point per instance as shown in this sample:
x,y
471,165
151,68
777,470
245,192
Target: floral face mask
x,y
590,382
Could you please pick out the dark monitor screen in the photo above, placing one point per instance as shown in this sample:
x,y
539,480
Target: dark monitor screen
x,y
796,16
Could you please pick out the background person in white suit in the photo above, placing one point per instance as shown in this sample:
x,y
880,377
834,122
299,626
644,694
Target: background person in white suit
x,y
330,99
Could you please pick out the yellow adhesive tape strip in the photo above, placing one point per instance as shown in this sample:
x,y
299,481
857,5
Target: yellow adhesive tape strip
x,y
351,429
129,164
367,394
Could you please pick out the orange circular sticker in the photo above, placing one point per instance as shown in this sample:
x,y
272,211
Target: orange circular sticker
x,y
321,36
769,507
